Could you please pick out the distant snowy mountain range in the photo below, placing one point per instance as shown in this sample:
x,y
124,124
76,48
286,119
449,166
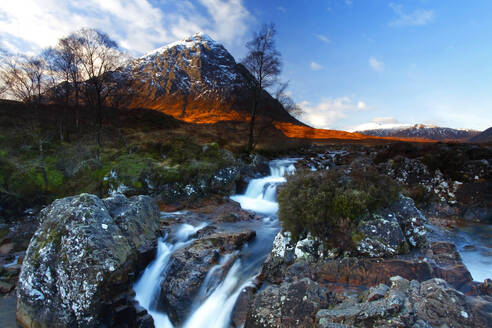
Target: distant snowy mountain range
x,y
422,131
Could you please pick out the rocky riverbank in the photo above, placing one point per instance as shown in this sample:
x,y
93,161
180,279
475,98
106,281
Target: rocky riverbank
x,y
87,253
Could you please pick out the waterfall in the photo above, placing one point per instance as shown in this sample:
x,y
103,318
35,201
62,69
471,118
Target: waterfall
x,y
215,301
149,285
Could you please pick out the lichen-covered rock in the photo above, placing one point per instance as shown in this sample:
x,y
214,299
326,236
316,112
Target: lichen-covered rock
x,y
391,231
412,221
83,248
383,237
289,305
438,304
282,254
431,303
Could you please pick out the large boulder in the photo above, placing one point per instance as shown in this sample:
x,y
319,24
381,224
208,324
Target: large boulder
x,y
83,256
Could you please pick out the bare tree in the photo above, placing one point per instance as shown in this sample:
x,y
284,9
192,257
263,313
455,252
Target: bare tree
x,y
26,80
99,57
64,66
286,100
263,62
3,58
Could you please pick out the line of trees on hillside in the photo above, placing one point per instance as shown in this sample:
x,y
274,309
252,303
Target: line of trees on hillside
x,y
75,71
79,71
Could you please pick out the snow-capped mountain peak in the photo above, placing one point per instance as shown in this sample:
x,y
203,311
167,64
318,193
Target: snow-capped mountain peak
x,y
189,42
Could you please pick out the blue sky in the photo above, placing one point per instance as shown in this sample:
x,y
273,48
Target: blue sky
x,y
350,63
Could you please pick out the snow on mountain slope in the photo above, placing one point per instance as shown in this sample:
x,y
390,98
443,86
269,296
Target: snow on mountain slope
x,y
423,131
196,80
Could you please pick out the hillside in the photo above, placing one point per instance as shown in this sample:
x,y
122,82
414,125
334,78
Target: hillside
x,y
485,136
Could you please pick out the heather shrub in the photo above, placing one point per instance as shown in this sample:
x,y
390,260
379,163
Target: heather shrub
x,y
330,204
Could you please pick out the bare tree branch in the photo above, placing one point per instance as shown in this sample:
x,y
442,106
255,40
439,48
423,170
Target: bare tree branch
x,y
263,62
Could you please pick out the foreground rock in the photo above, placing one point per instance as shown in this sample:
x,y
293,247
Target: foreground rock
x,y
431,303
82,259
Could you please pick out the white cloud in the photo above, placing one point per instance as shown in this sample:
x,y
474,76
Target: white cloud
x,y
418,17
378,123
376,64
323,38
329,111
349,3
315,66
137,25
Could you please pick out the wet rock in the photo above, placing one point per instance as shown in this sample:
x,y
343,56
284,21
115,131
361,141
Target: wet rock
x,y
240,311
448,265
226,211
287,305
189,266
83,258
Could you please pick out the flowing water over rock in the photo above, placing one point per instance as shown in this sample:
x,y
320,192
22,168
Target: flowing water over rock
x,y
215,301
474,242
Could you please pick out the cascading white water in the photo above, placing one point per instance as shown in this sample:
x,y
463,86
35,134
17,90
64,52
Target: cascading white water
x,y
260,196
148,286
215,301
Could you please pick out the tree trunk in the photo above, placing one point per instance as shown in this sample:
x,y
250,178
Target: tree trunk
x,y
99,125
251,139
77,111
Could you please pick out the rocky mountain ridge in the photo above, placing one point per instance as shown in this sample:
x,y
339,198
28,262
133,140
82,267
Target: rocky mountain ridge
x,y
431,132
196,80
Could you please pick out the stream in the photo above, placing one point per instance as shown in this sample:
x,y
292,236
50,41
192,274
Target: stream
x,y
214,303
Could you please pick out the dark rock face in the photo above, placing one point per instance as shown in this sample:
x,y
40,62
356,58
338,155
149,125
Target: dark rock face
x,y
292,304
431,303
189,266
82,259
447,265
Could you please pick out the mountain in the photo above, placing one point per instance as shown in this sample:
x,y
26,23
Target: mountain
x,y
485,136
423,131
196,80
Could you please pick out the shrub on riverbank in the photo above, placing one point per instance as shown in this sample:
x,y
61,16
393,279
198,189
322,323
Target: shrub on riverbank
x,y
330,204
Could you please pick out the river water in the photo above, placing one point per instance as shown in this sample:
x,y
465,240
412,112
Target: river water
x,y
214,303
474,243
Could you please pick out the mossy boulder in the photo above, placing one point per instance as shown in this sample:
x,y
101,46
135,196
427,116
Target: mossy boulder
x,y
83,248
